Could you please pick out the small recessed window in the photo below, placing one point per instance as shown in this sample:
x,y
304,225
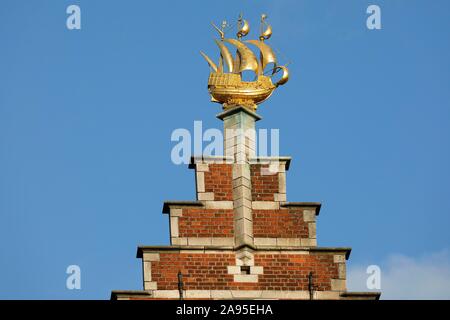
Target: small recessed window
x,y
245,269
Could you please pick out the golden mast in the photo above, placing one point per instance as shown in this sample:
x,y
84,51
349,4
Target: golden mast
x,y
228,88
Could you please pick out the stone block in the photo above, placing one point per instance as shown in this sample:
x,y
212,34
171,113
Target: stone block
x,y
312,230
342,272
339,258
282,182
265,205
245,278
280,197
242,202
221,294
168,294
243,212
176,212
197,294
338,285
200,177
174,232
147,270
289,242
309,215
256,270
222,205
150,256
234,270
222,241
205,196
265,241
178,241
202,167
150,285
193,241
308,242
242,181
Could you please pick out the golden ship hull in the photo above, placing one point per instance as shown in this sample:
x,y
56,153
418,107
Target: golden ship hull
x,y
229,90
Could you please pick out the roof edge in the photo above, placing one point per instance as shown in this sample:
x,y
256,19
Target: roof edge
x,y
142,248
316,205
168,204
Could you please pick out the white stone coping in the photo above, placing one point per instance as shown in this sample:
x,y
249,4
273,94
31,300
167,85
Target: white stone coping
x,y
261,242
286,160
316,205
267,160
180,204
232,249
243,294
237,109
210,160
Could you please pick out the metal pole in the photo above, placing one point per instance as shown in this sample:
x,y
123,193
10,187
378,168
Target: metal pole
x,y
311,286
180,284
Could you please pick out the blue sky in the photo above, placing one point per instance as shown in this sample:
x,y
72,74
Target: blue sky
x,y
86,117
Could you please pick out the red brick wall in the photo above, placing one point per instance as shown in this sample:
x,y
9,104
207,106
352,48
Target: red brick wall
x,y
219,180
199,222
282,223
209,271
200,271
263,186
290,271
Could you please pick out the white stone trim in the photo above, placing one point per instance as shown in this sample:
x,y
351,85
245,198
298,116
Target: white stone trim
x,y
306,242
242,202
339,258
290,242
221,294
256,270
176,212
312,230
265,242
202,167
202,241
241,170
146,271
178,241
150,256
342,271
168,294
338,285
234,270
245,278
200,178
243,212
280,197
246,294
241,181
197,294
309,215
150,285
282,182
205,196
222,241
245,257
283,242
221,205
174,231
265,205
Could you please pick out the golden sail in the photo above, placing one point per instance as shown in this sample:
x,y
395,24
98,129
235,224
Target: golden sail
x,y
228,88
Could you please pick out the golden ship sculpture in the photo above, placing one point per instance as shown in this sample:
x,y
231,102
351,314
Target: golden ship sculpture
x,y
228,88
